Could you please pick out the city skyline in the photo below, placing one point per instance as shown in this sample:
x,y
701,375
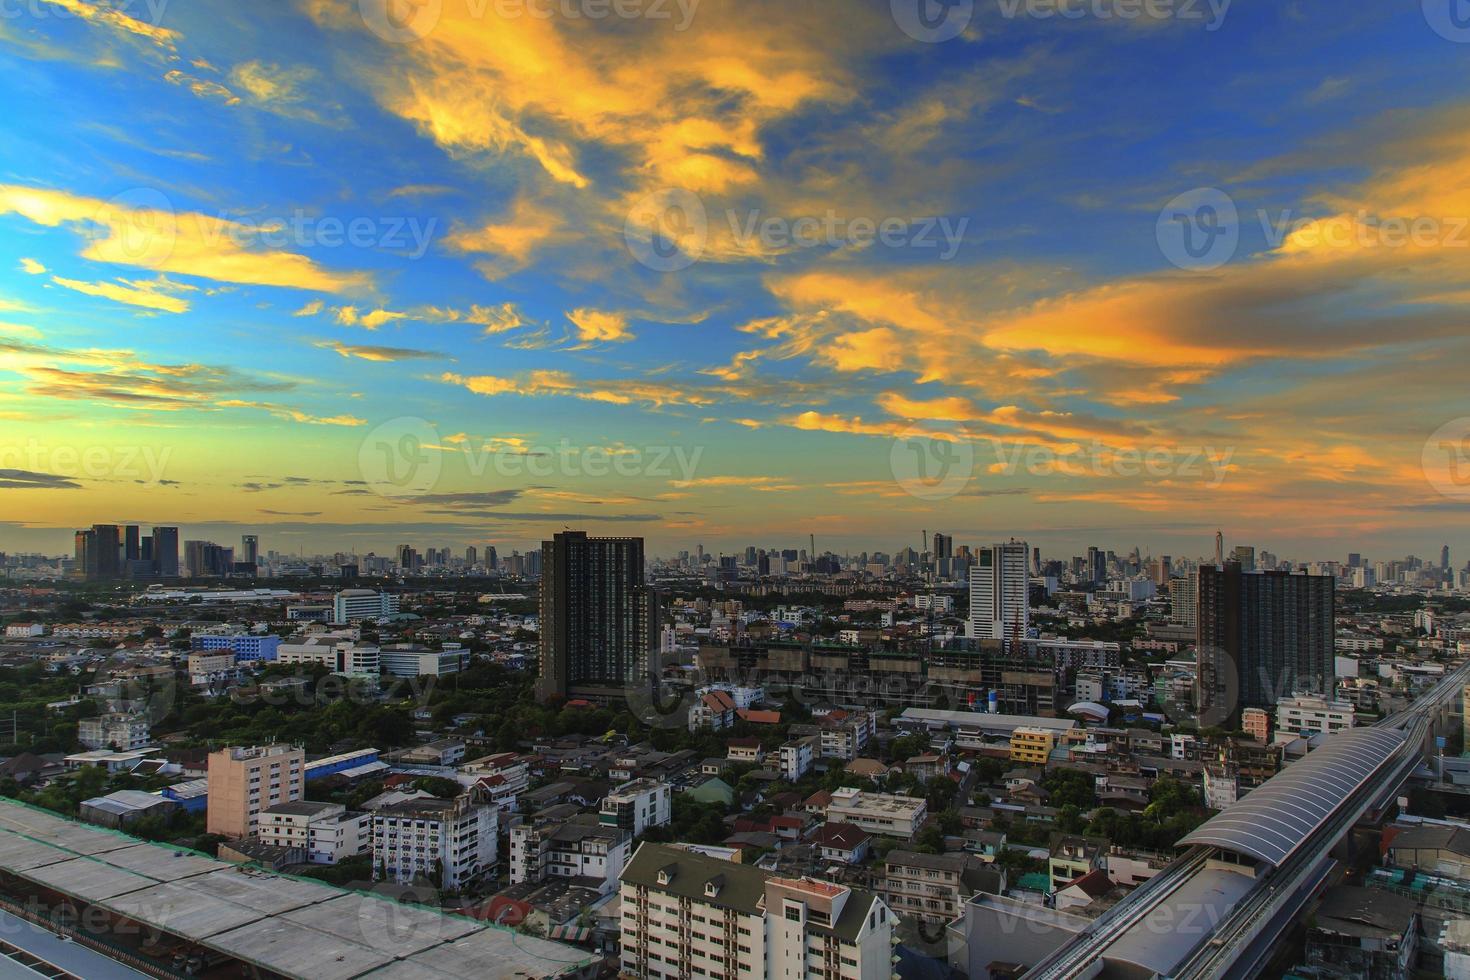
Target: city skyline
x,y
734,273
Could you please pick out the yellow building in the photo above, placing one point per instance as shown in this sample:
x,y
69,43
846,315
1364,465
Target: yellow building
x,y
1032,746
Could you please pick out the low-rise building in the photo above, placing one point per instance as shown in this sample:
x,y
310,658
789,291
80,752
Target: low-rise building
x,y
1364,932
797,757
340,656
592,854
124,732
713,710
1256,723
1311,715
840,842
406,660
1072,857
326,832
933,887
889,815
1032,746
686,914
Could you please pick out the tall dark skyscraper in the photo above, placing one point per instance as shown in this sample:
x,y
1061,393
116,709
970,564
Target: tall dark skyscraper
x,y
599,621
104,558
130,543
1266,635
250,549
166,551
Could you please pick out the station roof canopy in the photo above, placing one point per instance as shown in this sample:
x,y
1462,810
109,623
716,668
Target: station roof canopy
x,y
1277,817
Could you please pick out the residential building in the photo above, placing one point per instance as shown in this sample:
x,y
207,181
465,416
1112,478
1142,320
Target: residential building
x,y
687,914
546,848
440,752
889,815
124,732
932,887
355,605
713,710
1256,723
1366,933
1072,857
1311,715
1261,636
845,734
797,757
841,842
450,842
744,750
638,805
1032,746
326,832
599,622
243,782
1000,599
212,668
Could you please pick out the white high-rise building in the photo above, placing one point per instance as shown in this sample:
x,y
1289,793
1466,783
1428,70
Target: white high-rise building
x,y
1000,600
453,840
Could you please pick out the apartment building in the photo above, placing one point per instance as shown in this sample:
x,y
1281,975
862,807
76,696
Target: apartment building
x,y
713,710
797,757
687,915
1032,746
1256,723
244,647
890,815
449,842
638,805
327,832
932,887
503,777
126,732
593,854
243,782
354,605
1308,715
1072,857
209,667
845,738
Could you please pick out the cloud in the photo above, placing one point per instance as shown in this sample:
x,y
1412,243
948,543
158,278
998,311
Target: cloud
x,y
151,235
32,267
294,414
149,295
30,480
597,326
612,391
381,354
119,21
349,316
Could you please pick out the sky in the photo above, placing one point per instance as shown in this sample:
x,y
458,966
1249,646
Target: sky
x,y
447,272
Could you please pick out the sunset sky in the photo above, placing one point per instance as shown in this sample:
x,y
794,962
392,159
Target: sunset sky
x,y
351,277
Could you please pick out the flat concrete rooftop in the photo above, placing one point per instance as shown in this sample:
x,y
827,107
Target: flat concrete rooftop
x,y
291,926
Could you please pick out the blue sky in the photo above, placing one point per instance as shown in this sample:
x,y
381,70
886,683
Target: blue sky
x,y
263,245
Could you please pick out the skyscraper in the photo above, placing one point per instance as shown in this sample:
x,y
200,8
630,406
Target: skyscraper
x,y
1245,556
599,621
104,557
130,543
1000,599
249,549
166,551
1265,635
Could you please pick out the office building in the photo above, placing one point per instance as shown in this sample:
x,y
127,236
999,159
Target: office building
x,y
1261,636
355,605
599,622
166,551
250,550
405,660
205,559
247,647
244,782
1000,600
686,914
340,656
449,842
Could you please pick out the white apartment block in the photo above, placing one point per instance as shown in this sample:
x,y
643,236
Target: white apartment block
x,y
125,731
638,805
688,915
878,813
797,757
591,853
327,832
1313,715
1000,598
448,841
